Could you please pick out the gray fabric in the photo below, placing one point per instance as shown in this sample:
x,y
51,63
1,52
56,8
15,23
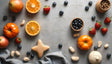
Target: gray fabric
x,y
4,53
54,58
50,58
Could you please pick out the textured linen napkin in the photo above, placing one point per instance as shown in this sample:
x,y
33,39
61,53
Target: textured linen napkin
x,y
50,58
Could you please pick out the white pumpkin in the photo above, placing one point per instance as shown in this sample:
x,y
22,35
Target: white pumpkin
x,y
95,57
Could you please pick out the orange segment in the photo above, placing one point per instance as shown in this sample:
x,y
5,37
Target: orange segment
x,y
33,6
32,28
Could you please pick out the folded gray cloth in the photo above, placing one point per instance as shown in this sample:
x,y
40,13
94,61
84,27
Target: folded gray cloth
x,y
50,58
54,58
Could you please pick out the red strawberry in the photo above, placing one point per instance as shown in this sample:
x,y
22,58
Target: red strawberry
x,y
104,30
18,40
107,20
46,9
97,25
92,31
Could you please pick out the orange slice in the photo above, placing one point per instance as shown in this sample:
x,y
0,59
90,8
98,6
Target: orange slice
x,y
32,28
33,6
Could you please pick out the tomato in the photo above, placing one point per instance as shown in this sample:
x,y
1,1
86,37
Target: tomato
x,y
11,30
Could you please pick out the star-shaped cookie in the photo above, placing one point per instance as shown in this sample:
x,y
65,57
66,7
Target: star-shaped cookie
x,y
40,48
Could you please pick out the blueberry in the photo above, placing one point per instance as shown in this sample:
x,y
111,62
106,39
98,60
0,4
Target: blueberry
x,y
90,3
19,47
4,18
93,18
87,8
74,21
95,47
60,45
77,28
28,53
74,27
32,56
61,13
13,18
54,4
108,55
65,2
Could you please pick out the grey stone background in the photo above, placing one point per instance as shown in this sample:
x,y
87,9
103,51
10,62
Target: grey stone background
x,y
56,29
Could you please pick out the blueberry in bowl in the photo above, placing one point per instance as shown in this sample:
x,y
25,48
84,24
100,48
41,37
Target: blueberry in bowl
x,y
77,24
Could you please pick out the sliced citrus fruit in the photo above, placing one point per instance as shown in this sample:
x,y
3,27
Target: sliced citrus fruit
x,y
32,28
33,6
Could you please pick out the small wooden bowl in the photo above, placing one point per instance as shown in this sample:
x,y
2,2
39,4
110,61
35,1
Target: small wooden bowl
x,y
77,29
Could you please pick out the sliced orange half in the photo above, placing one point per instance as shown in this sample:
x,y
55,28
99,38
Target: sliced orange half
x,y
33,6
32,28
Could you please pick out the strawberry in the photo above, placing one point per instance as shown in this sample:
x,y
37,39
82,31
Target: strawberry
x,y
46,9
107,20
97,25
104,30
92,31
18,40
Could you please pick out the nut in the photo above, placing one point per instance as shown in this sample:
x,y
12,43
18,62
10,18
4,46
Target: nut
x,y
12,53
23,22
75,58
72,50
76,35
106,46
99,44
26,59
17,53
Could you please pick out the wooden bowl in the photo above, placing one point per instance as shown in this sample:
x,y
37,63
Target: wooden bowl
x,y
77,29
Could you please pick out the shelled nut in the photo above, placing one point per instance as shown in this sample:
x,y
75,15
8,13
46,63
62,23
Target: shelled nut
x,y
12,53
17,53
76,35
99,44
26,59
106,46
75,58
72,50
23,22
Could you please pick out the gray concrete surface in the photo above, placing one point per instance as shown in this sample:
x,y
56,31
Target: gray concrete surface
x,y
56,29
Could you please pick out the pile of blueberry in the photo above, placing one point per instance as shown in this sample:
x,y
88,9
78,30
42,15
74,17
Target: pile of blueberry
x,y
77,23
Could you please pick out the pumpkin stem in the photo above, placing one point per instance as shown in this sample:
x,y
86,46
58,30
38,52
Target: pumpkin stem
x,y
85,41
0,39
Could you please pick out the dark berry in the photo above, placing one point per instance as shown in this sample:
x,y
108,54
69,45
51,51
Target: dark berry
x,y
93,18
108,55
19,47
65,2
54,4
60,45
32,56
28,53
87,8
74,27
74,21
77,28
61,13
90,3
95,47
4,18
13,18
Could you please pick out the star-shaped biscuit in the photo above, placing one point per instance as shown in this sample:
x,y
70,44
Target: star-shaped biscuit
x,y
40,48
